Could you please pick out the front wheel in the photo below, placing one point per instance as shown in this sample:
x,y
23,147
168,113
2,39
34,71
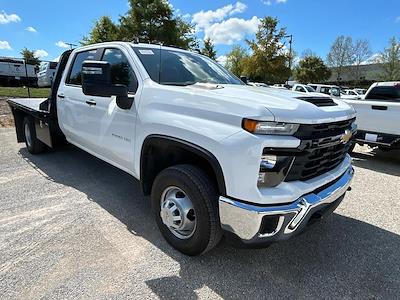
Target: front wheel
x,y
185,206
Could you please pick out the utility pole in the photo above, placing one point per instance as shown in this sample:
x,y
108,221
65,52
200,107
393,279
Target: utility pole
x,y
71,46
290,36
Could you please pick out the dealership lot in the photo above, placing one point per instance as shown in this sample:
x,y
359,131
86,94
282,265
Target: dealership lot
x,y
72,226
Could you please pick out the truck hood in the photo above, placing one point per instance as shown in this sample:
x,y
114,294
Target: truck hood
x,y
284,105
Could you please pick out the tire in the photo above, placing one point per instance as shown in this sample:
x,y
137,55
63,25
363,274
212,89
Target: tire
x,y
183,182
33,145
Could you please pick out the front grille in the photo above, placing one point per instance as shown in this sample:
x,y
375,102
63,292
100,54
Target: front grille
x,y
321,150
319,101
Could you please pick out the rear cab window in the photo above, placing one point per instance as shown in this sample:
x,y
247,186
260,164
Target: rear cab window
x,y
385,93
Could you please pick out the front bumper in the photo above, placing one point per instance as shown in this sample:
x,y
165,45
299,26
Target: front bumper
x,y
254,224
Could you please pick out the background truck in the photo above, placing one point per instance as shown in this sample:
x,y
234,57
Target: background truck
x,y
218,157
378,115
14,72
47,71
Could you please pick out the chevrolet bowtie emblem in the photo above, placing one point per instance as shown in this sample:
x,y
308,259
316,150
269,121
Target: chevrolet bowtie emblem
x,y
346,137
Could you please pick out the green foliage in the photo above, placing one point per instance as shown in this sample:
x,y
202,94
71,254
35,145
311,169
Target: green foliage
x,y
390,59
311,69
104,30
236,60
269,60
208,49
29,57
147,21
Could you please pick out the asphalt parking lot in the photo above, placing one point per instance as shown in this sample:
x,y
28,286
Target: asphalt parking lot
x,y
72,226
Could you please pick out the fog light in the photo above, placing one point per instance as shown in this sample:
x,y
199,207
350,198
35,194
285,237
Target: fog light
x,y
273,169
268,162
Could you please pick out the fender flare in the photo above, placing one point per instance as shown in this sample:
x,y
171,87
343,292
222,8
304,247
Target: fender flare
x,y
155,139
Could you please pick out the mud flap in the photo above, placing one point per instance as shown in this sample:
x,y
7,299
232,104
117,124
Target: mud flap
x,y
43,132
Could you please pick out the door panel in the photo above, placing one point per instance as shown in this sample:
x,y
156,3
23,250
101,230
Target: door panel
x,y
377,116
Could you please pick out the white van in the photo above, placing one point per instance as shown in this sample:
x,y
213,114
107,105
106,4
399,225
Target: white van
x,y
46,73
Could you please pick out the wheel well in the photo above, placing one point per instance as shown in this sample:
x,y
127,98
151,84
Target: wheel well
x,y
19,117
160,152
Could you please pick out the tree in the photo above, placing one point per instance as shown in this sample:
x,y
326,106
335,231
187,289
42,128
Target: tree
x,y
268,63
153,21
312,69
361,52
147,21
341,54
390,60
208,49
104,30
29,57
236,59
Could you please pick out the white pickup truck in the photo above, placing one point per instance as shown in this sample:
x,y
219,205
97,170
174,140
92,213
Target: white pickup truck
x,y
378,115
218,157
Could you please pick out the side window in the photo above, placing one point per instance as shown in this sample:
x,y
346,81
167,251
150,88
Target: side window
x,y
325,90
388,93
121,71
299,89
75,73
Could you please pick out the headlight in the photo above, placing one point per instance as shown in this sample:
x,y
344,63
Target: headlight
x,y
276,128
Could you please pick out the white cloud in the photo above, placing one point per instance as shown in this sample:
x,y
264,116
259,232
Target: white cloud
x,y
41,53
203,19
375,58
30,29
222,60
62,44
57,59
5,19
270,2
221,28
232,30
4,45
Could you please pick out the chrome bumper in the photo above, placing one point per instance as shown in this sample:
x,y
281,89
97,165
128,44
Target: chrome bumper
x,y
247,221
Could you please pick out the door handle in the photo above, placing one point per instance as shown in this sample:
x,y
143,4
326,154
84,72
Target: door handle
x,y
91,102
61,96
379,107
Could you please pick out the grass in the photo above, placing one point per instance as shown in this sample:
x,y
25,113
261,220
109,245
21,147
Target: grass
x,y
22,92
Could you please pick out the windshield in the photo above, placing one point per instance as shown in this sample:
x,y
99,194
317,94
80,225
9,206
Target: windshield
x,y
335,92
309,89
182,68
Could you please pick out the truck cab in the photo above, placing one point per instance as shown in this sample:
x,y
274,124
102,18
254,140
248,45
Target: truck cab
x,y
217,157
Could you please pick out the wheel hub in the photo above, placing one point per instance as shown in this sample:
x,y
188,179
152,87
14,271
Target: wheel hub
x,y
177,212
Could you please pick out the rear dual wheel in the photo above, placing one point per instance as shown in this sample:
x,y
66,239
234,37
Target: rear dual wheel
x,y
185,206
32,143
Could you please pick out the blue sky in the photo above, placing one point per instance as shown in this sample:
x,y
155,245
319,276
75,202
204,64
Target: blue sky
x,y
313,23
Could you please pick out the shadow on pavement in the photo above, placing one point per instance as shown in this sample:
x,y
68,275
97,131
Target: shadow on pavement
x,y
343,257
387,162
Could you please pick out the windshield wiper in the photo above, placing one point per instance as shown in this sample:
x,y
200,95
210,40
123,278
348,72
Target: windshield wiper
x,y
185,83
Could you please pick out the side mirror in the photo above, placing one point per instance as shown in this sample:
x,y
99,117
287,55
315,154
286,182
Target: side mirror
x,y
244,79
96,81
